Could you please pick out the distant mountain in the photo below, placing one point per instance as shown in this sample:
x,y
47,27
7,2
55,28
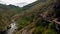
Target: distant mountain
x,y
30,5
11,7
33,4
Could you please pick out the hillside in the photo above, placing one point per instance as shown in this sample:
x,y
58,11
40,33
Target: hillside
x,y
40,17
6,13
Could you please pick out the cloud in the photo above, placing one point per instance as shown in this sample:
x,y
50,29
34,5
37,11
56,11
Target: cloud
x,y
17,2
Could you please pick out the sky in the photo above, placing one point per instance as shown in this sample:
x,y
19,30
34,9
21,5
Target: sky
x,y
19,3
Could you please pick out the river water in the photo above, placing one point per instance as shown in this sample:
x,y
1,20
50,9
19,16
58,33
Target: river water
x,y
13,27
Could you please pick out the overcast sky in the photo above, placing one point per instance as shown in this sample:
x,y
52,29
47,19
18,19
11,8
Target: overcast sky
x,y
17,2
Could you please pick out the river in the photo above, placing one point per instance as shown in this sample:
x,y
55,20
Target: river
x,y
13,27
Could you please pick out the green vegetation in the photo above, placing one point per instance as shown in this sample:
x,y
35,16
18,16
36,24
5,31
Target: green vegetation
x,y
35,18
22,23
